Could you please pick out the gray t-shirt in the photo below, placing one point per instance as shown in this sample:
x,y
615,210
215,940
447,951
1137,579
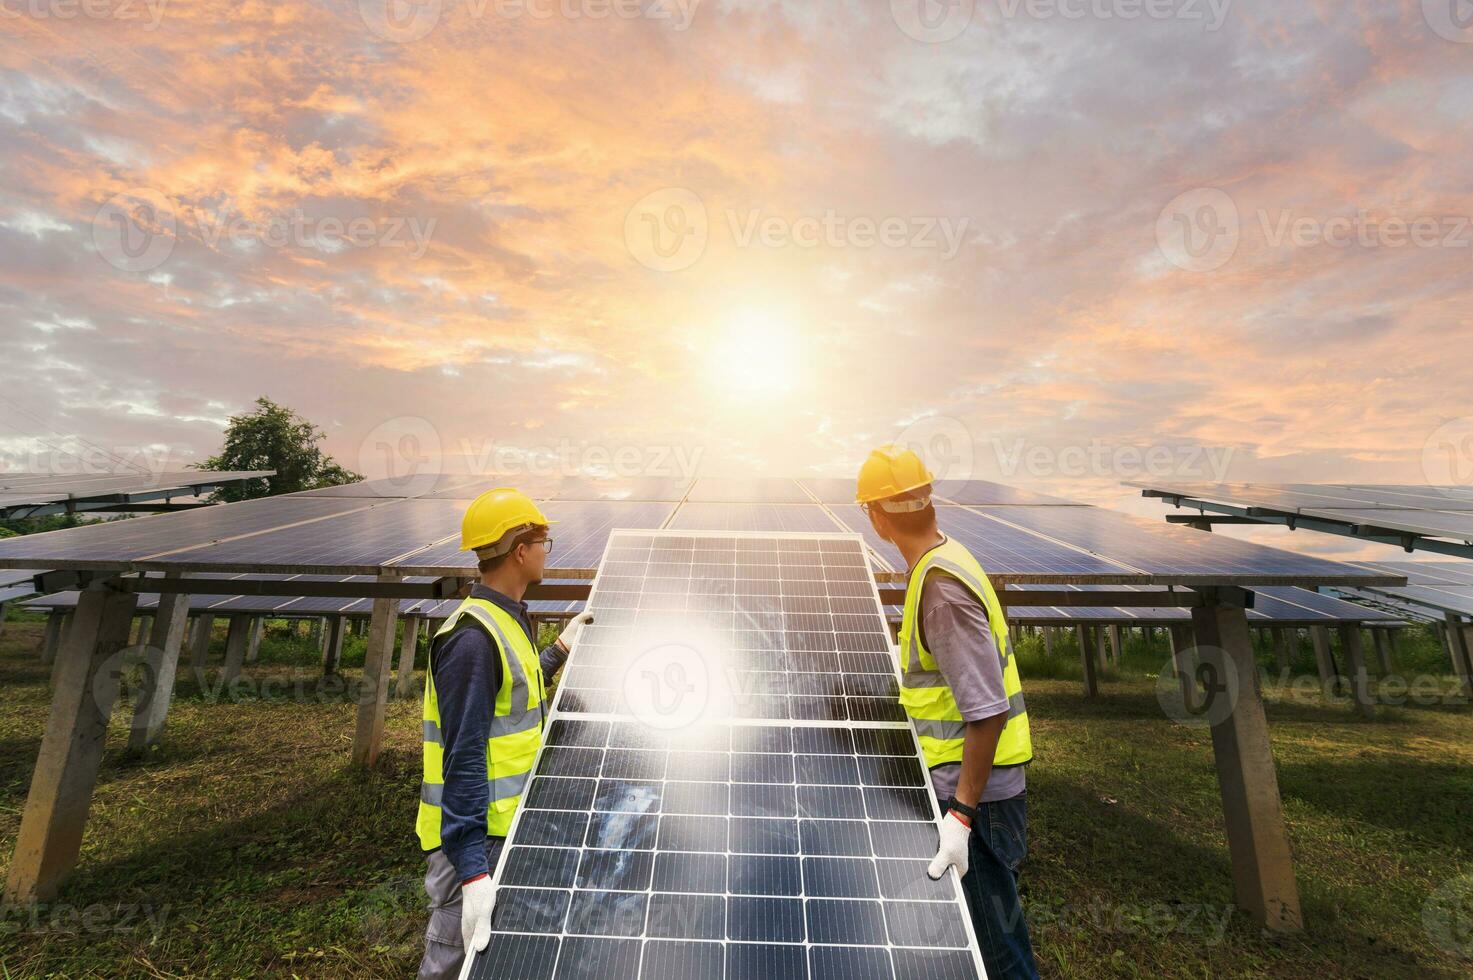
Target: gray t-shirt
x,y
956,631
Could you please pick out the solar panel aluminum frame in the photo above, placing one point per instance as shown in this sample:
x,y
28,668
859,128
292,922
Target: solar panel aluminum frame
x,y
555,714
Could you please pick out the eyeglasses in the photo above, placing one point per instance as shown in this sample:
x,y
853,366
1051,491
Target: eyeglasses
x,y
546,544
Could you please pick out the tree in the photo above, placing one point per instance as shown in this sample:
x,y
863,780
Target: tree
x,y
273,437
35,525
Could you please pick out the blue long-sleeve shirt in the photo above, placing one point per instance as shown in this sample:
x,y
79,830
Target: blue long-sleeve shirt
x,y
467,673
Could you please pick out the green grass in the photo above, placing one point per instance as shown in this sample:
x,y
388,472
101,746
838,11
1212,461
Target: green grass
x,y
256,851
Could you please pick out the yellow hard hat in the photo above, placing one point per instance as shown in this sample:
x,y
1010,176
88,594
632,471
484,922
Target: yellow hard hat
x,y
891,470
496,512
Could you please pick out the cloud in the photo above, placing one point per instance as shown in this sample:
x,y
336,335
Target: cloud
x,y
490,288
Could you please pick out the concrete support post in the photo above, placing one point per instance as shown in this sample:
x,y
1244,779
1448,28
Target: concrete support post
x,y
51,640
373,695
236,641
1458,649
1355,664
204,629
1048,642
408,646
1258,844
253,645
1324,660
1117,644
1184,665
145,627
332,650
89,665
1383,651
1281,648
1087,662
157,689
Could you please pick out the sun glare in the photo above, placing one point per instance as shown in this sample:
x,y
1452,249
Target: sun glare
x,y
757,354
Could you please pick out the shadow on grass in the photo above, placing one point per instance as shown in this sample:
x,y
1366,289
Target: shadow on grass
x,y
1426,800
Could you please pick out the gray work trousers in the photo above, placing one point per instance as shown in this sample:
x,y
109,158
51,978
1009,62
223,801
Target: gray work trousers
x,y
444,951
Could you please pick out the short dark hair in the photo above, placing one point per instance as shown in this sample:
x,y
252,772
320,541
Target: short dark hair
x,y
526,537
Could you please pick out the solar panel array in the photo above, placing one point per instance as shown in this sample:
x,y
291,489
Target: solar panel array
x,y
37,493
712,800
410,527
1439,512
1446,587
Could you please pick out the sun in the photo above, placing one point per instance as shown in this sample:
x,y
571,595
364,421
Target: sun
x,y
757,354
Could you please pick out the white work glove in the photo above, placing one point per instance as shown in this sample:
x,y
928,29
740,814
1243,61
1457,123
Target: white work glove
x,y
570,632
953,850
476,901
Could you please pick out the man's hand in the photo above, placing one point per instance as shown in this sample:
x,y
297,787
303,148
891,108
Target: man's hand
x,y
570,632
477,898
955,832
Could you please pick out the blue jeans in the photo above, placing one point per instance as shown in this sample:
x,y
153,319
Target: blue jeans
x,y
998,845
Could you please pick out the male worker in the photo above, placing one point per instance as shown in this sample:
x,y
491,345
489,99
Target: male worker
x,y
483,716
959,685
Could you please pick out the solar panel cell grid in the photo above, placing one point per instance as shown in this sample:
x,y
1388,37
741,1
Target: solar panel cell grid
x,y
742,840
612,853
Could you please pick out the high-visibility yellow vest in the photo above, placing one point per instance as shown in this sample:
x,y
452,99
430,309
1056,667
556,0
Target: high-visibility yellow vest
x,y
925,694
516,724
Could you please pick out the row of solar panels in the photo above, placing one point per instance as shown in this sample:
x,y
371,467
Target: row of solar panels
x,y
768,490
41,493
324,533
1445,512
1436,587
1274,605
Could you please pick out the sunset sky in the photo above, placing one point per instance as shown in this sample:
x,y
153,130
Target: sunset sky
x,y
1040,239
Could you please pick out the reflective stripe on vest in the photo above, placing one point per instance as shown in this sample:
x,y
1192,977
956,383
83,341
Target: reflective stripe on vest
x,y
516,725
924,693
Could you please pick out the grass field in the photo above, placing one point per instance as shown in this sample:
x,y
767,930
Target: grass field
x,y
244,846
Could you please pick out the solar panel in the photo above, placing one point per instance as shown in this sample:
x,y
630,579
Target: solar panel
x,y
80,487
724,836
1429,572
767,491
359,541
767,518
1433,511
1003,550
840,490
573,488
1447,598
18,576
1168,553
985,492
158,534
1430,522
579,536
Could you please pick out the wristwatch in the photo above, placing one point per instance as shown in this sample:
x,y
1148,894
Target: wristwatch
x,y
969,812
